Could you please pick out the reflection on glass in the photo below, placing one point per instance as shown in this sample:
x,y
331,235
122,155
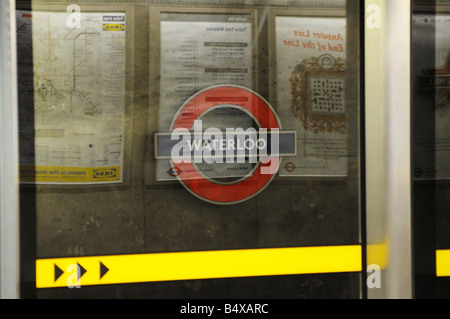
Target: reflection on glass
x,y
100,99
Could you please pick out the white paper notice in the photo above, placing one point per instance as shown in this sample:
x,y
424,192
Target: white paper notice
x,y
198,51
310,77
72,97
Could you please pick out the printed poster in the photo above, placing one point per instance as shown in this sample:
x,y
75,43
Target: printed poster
x,y
72,97
310,90
197,51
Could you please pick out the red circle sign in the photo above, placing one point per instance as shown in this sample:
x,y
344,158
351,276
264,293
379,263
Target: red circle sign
x,y
205,100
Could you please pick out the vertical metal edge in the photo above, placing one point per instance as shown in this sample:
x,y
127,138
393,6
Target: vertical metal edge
x,y
388,150
398,151
9,190
375,143
362,148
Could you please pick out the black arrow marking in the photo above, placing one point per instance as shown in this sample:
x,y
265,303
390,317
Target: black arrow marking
x,y
58,272
103,270
82,271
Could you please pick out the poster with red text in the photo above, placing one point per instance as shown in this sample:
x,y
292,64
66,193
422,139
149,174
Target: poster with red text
x,y
310,93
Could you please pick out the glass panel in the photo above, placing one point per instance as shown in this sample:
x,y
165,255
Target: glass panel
x,y
431,151
178,149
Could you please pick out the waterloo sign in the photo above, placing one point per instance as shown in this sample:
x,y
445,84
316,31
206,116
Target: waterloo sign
x,y
189,143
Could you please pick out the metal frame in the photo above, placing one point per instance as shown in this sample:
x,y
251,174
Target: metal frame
x,y
388,150
398,129
9,191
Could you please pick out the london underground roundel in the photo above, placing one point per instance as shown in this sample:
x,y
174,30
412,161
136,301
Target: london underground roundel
x,y
252,183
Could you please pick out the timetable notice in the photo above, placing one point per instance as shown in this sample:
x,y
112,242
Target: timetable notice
x,y
198,51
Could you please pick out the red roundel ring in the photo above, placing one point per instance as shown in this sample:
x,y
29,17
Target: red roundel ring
x,y
200,103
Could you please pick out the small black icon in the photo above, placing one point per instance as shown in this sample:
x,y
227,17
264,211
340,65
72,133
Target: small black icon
x,y
103,270
58,272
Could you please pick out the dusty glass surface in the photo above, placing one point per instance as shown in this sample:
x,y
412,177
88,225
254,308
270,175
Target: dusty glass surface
x,y
103,88
430,145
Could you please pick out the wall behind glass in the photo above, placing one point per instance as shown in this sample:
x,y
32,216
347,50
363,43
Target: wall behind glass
x,y
97,86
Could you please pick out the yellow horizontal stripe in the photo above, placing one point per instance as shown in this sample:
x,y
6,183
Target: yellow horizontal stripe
x,y
66,174
200,265
443,263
